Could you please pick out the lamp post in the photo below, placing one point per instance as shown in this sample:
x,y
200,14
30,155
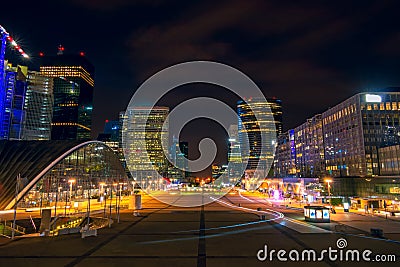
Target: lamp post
x,y
101,189
119,200
329,181
70,181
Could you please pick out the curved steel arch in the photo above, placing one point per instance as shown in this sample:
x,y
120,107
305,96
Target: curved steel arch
x,y
54,152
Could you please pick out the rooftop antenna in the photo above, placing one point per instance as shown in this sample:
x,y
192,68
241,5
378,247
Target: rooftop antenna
x,y
60,50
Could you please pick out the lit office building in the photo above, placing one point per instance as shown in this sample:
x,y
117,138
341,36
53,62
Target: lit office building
x,y
12,108
359,138
285,156
389,160
143,129
249,128
276,109
178,169
355,129
235,170
73,94
38,107
310,148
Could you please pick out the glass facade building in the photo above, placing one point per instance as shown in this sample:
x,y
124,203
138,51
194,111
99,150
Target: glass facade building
x,y
73,95
251,134
12,113
389,160
38,107
309,148
349,139
178,169
355,129
56,172
143,130
285,156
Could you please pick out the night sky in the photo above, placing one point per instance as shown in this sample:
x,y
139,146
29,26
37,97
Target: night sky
x,y
312,54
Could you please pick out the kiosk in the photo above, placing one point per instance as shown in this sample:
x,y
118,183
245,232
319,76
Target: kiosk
x,y
316,214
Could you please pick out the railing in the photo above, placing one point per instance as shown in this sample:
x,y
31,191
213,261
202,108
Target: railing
x,y
6,228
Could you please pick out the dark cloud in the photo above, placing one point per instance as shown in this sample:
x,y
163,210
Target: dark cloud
x,y
311,54
107,5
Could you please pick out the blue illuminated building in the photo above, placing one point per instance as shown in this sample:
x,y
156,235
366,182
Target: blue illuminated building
x,y
12,113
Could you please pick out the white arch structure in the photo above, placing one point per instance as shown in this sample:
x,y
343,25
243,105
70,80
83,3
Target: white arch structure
x,y
45,170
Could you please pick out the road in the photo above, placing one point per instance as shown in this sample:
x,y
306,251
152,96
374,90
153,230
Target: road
x,y
227,232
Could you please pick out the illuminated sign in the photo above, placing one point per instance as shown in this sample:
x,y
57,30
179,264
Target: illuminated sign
x,y
312,213
326,214
373,98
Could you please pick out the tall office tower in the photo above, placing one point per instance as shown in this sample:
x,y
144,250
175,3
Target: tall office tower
x,y
121,117
110,135
113,129
179,167
276,109
182,158
73,94
143,130
285,155
257,130
12,113
235,169
3,46
38,107
356,129
310,158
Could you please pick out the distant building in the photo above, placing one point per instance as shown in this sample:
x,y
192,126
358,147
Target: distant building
x,y
236,168
178,170
285,156
276,109
310,148
12,112
113,129
143,129
38,107
217,170
73,95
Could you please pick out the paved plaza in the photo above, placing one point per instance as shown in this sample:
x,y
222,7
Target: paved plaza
x,y
228,232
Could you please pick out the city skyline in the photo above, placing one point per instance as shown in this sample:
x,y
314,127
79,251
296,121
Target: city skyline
x,y
319,50
199,133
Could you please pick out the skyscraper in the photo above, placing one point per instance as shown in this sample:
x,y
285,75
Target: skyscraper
x,y
235,169
143,130
12,113
73,94
275,105
38,107
178,169
257,124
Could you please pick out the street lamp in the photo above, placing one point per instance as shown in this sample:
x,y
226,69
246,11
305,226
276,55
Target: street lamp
x,y
329,181
101,190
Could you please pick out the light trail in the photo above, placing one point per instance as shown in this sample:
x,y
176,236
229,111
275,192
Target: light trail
x,y
245,197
